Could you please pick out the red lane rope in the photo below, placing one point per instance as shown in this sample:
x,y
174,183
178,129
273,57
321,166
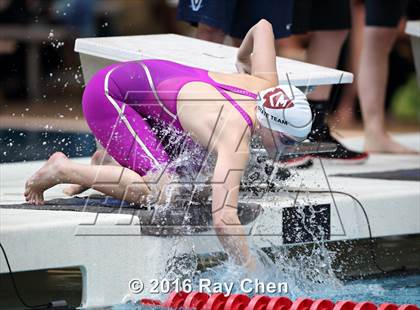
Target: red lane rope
x,y
203,301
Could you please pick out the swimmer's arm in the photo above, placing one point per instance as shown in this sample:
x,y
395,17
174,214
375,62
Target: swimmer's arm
x,y
258,52
230,165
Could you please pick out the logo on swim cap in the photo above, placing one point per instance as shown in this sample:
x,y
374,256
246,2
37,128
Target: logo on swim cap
x,y
276,98
285,109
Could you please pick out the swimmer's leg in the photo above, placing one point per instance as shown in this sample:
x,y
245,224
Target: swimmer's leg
x,y
115,181
117,111
100,157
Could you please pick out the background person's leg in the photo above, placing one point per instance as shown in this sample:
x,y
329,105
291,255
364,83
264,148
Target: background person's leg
x,y
328,22
382,18
324,50
209,33
373,77
345,114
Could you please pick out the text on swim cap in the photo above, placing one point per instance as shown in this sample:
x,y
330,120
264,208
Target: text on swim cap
x,y
272,117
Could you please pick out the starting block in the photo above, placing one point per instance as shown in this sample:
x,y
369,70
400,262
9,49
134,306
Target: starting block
x,y
96,53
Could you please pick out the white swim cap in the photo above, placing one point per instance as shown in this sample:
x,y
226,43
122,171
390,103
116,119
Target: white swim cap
x,y
285,109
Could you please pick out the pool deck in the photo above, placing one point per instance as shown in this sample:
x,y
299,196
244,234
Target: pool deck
x,y
102,242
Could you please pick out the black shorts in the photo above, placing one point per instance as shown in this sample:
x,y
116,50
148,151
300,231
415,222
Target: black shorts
x,y
236,17
384,13
413,10
214,13
249,12
314,15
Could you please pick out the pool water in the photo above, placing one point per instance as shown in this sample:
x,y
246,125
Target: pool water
x,y
400,290
23,145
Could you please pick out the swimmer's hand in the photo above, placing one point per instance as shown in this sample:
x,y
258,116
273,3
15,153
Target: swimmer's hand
x,y
243,65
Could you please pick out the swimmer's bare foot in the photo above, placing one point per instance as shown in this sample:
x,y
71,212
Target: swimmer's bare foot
x,y
100,157
74,189
385,144
49,175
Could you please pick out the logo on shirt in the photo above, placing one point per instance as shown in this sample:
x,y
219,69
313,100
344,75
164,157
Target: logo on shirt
x,y
277,99
196,5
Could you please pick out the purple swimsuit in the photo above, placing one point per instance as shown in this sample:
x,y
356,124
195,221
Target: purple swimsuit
x,y
128,106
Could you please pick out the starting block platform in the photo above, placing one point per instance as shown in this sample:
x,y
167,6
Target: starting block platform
x,y
96,53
